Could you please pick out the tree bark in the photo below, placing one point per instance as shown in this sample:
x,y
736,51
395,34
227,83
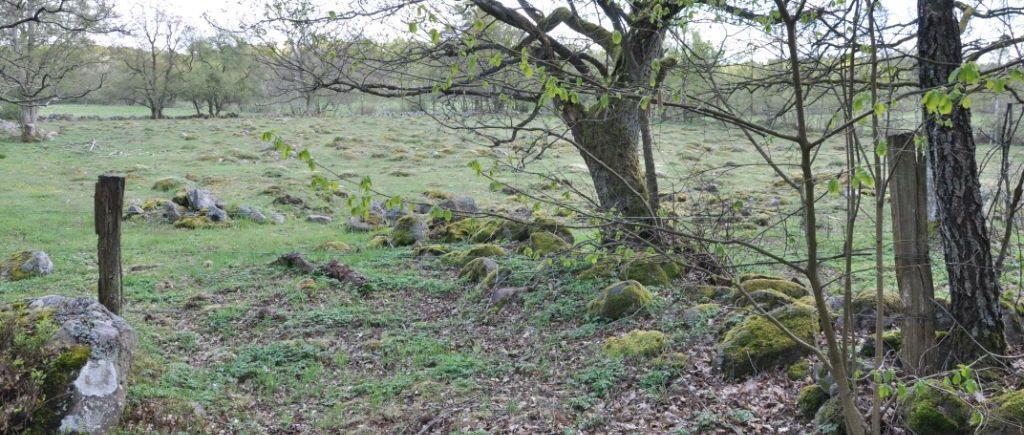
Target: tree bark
x,y
28,120
609,141
973,282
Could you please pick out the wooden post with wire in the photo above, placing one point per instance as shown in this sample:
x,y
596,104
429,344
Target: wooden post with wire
x,y
909,193
109,201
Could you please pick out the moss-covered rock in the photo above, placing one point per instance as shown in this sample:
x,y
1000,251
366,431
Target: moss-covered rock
x,y
25,264
749,276
931,407
756,344
1008,416
636,343
810,400
168,184
460,258
700,313
716,292
543,243
460,230
408,230
477,269
891,342
789,288
620,299
766,299
335,246
193,222
799,371
647,271
829,418
435,250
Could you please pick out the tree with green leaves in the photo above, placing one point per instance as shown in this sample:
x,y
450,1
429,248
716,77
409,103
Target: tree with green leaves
x,y
46,49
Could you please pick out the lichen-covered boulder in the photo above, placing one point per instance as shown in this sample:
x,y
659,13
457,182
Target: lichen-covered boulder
x,y
766,299
25,264
636,343
543,243
620,299
408,230
87,378
756,344
789,288
652,270
460,230
931,407
799,371
1008,416
810,400
477,269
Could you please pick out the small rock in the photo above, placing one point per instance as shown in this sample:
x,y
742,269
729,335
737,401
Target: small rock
x,y
25,264
277,218
320,219
294,260
199,199
252,213
505,294
170,211
217,215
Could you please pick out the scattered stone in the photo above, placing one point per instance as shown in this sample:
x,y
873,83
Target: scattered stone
x,y
25,264
201,199
217,215
651,270
620,299
170,211
789,288
295,260
933,408
357,223
636,343
810,399
701,313
433,250
335,246
319,219
134,210
544,243
756,344
766,299
193,222
408,230
505,294
168,184
288,199
478,269
252,213
460,206
277,218
863,308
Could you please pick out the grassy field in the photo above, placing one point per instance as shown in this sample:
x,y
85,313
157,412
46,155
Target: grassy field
x,y
231,343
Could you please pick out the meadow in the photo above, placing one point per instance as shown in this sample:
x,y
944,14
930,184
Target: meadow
x,y
229,342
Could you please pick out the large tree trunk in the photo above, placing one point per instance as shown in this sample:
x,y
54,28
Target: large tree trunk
x,y
28,120
973,282
609,141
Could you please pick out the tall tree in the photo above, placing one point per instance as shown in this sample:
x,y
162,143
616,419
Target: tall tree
x,y
157,61
973,281
48,46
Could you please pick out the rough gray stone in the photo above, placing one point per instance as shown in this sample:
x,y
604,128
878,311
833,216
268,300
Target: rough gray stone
x,y
25,264
170,211
98,393
317,218
199,199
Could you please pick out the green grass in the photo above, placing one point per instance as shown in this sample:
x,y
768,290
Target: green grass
x,y
104,111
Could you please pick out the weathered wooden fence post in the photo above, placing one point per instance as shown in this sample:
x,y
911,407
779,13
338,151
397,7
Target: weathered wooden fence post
x,y
109,201
909,204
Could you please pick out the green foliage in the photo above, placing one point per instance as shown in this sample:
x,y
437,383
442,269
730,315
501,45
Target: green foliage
x,y
931,407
